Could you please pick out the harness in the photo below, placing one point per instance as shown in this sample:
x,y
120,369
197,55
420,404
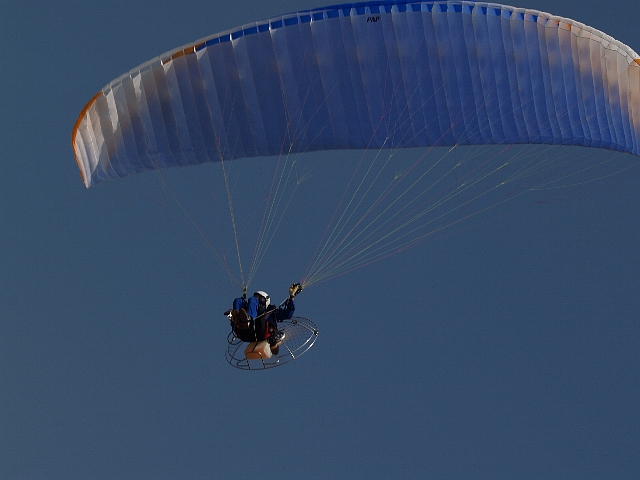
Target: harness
x,y
244,328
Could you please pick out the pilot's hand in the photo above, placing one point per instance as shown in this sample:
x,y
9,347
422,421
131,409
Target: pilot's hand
x,y
294,289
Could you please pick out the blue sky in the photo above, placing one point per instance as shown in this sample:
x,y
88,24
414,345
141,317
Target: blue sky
x,y
509,350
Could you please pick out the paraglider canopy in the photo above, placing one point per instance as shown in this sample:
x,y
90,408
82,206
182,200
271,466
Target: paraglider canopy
x,y
387,74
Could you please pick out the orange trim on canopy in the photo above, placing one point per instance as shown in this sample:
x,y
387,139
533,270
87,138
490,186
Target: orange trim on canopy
x,y
75,131
186,51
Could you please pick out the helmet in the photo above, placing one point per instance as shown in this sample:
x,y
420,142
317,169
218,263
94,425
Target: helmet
x,y
263,297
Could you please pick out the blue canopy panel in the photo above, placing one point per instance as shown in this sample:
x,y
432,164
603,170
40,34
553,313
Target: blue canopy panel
x,y
366,75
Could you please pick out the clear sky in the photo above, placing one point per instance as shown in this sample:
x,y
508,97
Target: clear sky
x,y
509,350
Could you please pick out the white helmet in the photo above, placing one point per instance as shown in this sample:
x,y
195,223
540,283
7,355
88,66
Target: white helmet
x,y
263,297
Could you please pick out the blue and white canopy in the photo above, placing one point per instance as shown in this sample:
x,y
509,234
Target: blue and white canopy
x,y
383,74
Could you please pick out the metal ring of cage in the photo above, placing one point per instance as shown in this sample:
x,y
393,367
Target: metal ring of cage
x,y
300,335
